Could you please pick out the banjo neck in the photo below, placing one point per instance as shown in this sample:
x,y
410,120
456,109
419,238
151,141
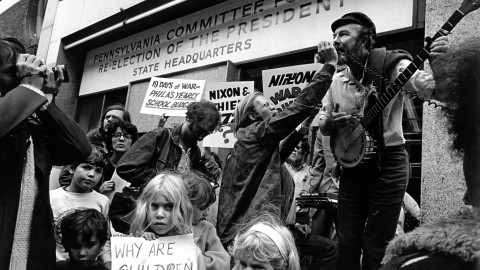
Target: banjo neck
x,y
402,78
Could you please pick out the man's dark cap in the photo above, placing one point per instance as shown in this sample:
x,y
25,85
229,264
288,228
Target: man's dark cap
x,y
357,18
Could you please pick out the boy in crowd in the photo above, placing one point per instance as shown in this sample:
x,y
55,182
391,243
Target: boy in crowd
x,y
80,194
84,233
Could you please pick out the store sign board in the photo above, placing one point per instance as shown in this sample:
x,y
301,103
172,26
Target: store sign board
x,y
236,30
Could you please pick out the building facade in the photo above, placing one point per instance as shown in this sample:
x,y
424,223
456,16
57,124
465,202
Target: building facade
x,y
113,47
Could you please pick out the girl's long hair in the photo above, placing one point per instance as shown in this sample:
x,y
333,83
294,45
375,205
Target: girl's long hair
x,y
172,187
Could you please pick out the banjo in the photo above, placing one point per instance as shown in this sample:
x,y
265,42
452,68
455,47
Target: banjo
x,y
353,144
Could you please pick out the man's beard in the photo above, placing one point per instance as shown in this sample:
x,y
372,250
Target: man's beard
x,y
355,52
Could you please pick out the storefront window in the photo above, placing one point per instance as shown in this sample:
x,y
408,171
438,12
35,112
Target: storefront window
x,y
90,107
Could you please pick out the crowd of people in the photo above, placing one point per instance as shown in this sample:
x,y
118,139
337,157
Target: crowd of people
x,y
115,182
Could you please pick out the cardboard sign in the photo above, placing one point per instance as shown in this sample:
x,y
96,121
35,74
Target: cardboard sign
x,y
120,183
281,86
164,253
226,96
171,96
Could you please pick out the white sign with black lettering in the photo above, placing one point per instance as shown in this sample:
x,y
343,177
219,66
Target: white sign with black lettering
x,y
171,96
164,253
226,96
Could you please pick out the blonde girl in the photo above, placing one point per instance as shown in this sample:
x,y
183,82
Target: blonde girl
x,y
267,245
163,209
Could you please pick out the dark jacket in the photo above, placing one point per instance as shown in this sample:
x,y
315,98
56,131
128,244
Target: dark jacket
x,y
254,179
451,242
57,140
139,164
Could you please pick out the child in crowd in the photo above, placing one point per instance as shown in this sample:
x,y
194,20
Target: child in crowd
x,y
80,194
265,245
202,196
84,233
163,209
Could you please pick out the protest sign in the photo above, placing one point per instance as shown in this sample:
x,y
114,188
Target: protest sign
x,y
281,86
171,96
164,253
226,96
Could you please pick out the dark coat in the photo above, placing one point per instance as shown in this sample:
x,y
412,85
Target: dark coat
x,y
451,242
57,140
254,179
142,161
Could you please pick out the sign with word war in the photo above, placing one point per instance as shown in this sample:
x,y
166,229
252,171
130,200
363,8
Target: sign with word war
x,y
171,96
164,253
226,96
281,86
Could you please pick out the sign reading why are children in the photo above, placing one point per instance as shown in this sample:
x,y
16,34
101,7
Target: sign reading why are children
x,y
226,96
171,96
281,86
164,253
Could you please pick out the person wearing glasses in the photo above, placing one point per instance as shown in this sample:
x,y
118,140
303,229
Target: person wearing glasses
x,y
177,149
254,179
119,137
113,146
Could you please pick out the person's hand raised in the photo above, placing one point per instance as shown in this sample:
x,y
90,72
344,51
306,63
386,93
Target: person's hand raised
x,y
326,53
31,70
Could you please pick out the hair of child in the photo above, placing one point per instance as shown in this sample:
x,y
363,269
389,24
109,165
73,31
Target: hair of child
x,y
172,187
84,222
200,191
268,242
96,158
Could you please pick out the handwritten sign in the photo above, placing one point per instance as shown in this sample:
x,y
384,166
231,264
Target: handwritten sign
x,y
171,96
281,86
226,96
165,253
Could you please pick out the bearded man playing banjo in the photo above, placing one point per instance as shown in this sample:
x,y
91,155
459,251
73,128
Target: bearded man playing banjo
x,y
372,184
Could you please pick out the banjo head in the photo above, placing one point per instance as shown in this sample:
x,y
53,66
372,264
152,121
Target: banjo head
x,y
348,144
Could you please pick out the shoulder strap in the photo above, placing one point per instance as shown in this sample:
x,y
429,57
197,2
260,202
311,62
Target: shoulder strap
x,y
376,62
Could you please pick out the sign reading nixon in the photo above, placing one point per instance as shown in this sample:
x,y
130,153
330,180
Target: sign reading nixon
x,y
226,96
171,96
281,86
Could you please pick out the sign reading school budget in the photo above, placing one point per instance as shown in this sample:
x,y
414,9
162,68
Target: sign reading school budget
x,y
164,253
237,30
171,96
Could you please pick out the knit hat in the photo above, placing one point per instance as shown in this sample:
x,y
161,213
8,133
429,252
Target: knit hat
x,y
357,18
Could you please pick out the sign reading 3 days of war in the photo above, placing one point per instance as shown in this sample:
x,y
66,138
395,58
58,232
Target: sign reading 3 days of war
x,y
164,253
171,96
281,86
226,96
